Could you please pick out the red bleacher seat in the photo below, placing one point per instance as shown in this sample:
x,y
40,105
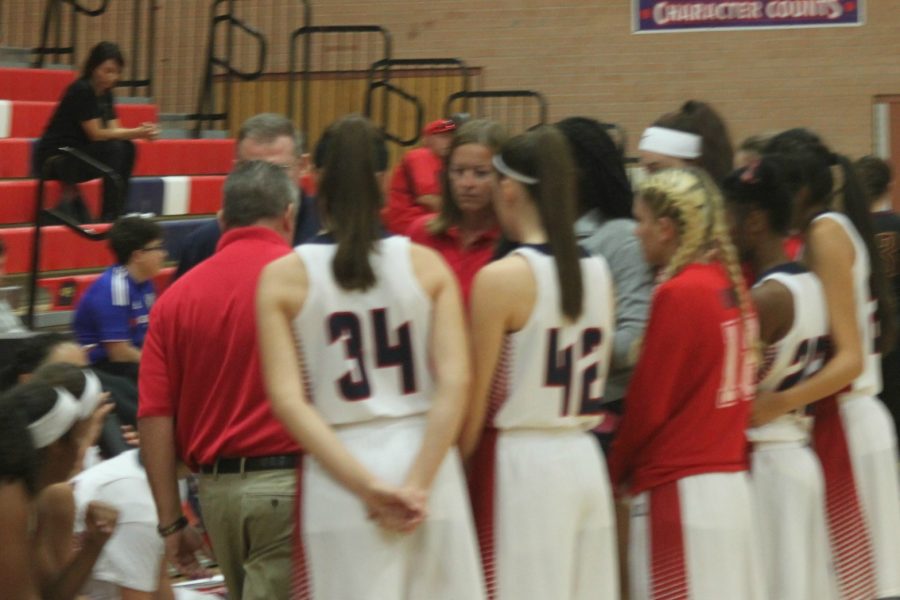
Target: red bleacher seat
x,y
15,157
184,157
28,119
34,84
61,249
162,157
17,198
65,292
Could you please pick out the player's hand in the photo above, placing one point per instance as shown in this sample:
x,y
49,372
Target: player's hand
x,y
131,436
767,407
395,509
95,421
99,524
181,550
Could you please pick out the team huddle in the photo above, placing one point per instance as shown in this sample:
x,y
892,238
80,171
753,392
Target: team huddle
x,y
365,352
579,391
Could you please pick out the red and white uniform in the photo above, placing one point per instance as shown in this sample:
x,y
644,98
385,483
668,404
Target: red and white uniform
x,y
681,447
787,479
855,439
366,369
543,504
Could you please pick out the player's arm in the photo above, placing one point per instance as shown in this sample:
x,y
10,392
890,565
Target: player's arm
x,y
496,291
830,253
122,351
667,353
775,309
16,577
280,295
449,357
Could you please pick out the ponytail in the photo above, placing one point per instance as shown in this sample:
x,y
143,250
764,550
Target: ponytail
x,y
543,155
851,199
832,183
351,198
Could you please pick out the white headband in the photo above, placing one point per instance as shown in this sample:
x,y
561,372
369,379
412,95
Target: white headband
x,y
671,142
505,169
92,394
60,419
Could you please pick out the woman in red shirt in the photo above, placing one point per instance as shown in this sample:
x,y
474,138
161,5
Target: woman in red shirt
x,y
465,230
681,452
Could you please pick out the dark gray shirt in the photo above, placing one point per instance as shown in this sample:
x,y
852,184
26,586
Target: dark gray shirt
x,y
615,241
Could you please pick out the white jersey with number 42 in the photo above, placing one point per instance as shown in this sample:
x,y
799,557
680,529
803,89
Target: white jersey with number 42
x,y
552,372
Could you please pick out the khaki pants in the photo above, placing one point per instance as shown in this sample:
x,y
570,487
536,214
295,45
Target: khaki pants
x,y
250,518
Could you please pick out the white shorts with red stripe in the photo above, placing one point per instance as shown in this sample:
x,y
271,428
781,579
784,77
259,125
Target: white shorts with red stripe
x,y
694,538
545,517
857,446
346,556
789,495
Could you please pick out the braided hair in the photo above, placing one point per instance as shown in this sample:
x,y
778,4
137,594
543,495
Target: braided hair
x,y
689,197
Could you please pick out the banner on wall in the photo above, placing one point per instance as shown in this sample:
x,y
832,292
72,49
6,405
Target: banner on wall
x,y
654,16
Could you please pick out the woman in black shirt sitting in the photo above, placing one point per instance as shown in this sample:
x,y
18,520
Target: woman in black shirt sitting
x,y
85,119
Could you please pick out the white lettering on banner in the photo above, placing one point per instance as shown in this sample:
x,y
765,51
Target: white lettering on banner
x,y
692,12
790,9
668,12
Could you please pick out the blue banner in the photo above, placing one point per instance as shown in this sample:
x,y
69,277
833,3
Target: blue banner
x,y
652,16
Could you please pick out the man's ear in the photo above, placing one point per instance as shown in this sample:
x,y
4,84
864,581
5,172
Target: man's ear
x,y
289,218
220,219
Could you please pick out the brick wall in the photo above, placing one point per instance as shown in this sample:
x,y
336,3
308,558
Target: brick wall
x,y
583,56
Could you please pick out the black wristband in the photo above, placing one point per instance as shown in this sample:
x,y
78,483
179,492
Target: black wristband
x,y
179,524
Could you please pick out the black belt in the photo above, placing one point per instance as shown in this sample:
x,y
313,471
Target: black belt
x,y
255,463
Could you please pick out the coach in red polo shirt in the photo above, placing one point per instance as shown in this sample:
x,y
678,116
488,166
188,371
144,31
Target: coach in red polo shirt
x,y
202,399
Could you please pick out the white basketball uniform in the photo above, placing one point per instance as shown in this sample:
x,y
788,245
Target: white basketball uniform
x,y
786,476
857,446
366,369
541,492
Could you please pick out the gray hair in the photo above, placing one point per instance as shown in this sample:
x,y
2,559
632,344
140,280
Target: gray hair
x,y
257,190
265,128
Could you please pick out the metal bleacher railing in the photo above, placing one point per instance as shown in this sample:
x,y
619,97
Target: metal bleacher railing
x,y
422,77
365,43
43,215
519,110
209,108
60,27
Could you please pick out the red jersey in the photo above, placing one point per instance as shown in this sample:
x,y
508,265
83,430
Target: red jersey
x,y
200,361
418,174
465,261
688,404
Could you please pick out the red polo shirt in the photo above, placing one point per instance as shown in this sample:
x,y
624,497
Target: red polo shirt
x,y
465,261
200,361
418,174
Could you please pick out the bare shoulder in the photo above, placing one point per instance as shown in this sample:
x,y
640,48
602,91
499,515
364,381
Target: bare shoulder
x,y
283,283
775,307
56,504
829,237
288,269
506,287
430,268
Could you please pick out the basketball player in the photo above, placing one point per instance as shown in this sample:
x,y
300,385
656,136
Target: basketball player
x,y
853,432
542,327
681,448
786,476
370,331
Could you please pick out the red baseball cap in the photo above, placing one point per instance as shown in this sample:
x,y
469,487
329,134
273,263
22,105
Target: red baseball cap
x,y
439,126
